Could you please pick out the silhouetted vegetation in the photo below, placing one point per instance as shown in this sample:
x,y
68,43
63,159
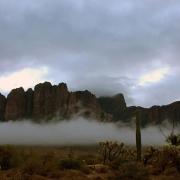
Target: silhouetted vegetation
x,y
174,139
87,162
70,164
111,151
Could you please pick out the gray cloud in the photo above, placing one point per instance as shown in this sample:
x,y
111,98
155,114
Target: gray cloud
x,y
104,46
164,92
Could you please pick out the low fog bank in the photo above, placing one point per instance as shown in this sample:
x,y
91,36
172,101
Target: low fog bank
x,y
77,131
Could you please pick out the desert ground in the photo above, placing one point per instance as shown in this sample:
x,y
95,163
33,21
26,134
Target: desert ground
x,y
88,162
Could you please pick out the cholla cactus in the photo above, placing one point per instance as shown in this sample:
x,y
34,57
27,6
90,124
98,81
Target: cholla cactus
x,y
110,150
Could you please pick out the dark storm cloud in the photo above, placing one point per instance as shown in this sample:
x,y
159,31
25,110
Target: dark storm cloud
x,y
104,46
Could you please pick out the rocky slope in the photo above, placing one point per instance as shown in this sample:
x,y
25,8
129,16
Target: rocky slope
x,y
49,101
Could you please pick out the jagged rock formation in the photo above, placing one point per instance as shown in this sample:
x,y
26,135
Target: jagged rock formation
x,y
114,106
56,101
2,106
48,101
29,102
44,101
16,104
89,101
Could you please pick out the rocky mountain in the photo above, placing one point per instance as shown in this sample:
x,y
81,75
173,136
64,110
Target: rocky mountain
x,y
2,106
155,114
114,106
49,101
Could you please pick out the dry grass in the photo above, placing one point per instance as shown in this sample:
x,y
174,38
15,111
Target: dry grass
x,y
85,162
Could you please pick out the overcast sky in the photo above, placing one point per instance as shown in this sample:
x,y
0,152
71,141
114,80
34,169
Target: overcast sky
x,y
127,46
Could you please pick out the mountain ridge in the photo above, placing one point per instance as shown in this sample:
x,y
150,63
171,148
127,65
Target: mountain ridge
x,y
47,101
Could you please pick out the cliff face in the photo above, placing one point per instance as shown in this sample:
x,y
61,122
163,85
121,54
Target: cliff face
x,y
16,104
2,107
44,101
48,101
88,104
114,106
29,102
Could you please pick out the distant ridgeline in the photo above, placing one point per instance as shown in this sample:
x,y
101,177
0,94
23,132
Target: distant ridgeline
x,y
54,102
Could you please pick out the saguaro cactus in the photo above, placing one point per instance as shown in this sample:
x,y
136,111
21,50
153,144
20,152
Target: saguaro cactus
x,y
138,136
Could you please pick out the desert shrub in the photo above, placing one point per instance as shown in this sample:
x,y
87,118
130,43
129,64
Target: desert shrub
x,y
129,153
111,151
169,156
40,165
150,155
116,165
33,166
70,164
102,169
174,139
89,159
48,158
85,169
132,170
9,157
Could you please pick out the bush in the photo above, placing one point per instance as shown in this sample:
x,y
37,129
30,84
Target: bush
x,y
8,157
33,166
116,165
174,139
169,156
110,151
70,164
39,166
89,159
132,170
150,155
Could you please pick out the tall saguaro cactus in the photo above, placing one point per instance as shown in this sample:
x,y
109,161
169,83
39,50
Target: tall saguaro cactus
x,y
138,136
